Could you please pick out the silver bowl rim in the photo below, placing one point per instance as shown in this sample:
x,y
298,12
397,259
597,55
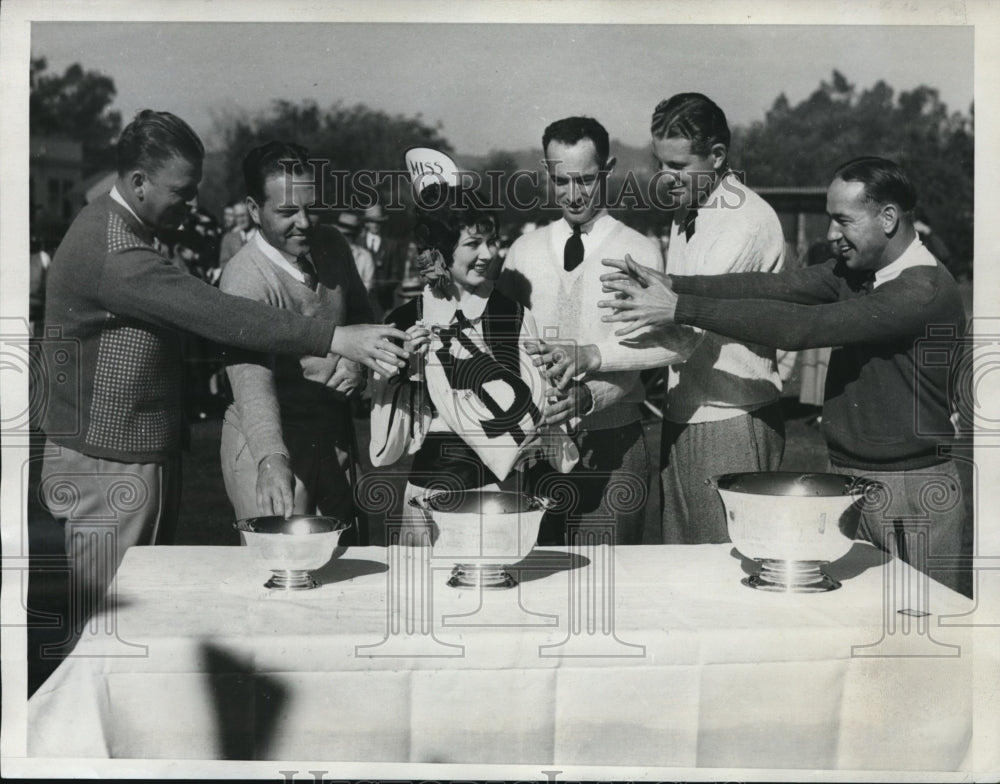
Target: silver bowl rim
x,y
256,525
851,485
432,501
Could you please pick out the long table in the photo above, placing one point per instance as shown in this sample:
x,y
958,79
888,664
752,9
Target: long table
x,y
639,656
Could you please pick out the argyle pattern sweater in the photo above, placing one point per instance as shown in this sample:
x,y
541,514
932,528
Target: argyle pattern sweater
x,y
114,308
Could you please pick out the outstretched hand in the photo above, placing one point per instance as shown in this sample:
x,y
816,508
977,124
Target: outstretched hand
x,y
643,296
372,345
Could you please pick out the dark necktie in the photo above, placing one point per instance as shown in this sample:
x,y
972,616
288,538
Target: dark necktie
x,y
308,271
573,252
689,220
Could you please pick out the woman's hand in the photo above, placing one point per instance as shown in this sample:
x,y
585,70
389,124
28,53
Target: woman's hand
x,y
418,339
275,486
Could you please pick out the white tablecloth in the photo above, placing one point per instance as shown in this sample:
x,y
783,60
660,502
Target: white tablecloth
x,y
639,656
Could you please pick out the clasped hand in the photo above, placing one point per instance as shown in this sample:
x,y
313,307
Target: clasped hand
x,y
342,375
561,363
644,297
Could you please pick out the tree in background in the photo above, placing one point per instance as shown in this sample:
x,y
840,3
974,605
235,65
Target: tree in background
x,y
74,105
803,144
352,138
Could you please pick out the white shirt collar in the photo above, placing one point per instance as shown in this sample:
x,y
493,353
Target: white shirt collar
x,y
598,231
117,197
916,255
277,257
438,310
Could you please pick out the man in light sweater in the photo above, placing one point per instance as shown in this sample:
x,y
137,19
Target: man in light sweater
x,y
113,315
721,412
555,272
894,312
285,437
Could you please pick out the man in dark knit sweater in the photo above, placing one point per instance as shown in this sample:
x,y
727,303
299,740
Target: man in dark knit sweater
x,y
881,300
113,312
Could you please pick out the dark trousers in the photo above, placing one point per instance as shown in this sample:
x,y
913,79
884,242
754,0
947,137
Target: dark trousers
x,y
608,487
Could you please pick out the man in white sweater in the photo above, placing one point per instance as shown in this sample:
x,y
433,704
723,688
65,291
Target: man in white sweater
x,y
555,272
722,411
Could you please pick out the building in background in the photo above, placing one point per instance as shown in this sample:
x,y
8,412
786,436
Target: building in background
x,y
802,212
55,180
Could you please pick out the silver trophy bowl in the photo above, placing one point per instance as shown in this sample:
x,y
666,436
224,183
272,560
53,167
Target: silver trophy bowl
x,y
291,547
483,532
792,524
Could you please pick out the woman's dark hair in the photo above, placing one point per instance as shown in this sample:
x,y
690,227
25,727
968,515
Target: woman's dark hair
x,y
442,212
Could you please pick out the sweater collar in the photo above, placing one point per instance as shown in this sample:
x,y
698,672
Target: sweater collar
x,y
145,231
916,255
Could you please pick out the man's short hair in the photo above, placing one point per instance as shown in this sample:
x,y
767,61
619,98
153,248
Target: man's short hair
x,y
269,159
571,130
694,117
153,138
884,181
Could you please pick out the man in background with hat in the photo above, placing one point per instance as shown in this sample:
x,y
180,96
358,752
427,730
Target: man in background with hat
x,y
349,225
238,236
388,254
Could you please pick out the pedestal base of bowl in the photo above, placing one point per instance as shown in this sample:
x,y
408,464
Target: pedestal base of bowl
x,y
791,577
291,580
473,576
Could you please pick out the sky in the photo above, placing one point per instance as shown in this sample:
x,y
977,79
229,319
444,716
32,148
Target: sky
x,y
496,86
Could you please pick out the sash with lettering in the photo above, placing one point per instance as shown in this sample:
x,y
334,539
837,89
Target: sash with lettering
x,y
480,381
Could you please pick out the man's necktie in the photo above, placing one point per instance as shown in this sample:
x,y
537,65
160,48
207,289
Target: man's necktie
x,y
689,220
573,252
308,271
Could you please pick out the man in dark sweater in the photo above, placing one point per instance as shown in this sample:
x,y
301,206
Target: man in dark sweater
x,y
114,309
885,301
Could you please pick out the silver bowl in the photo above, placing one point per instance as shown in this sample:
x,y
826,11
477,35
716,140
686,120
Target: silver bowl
x,y
291,547
792,524
484,532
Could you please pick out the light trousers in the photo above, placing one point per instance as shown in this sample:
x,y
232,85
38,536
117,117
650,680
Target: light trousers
x,y
692,453
106,507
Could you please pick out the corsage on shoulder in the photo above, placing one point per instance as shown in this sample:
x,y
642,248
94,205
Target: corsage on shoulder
x,y
433,271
